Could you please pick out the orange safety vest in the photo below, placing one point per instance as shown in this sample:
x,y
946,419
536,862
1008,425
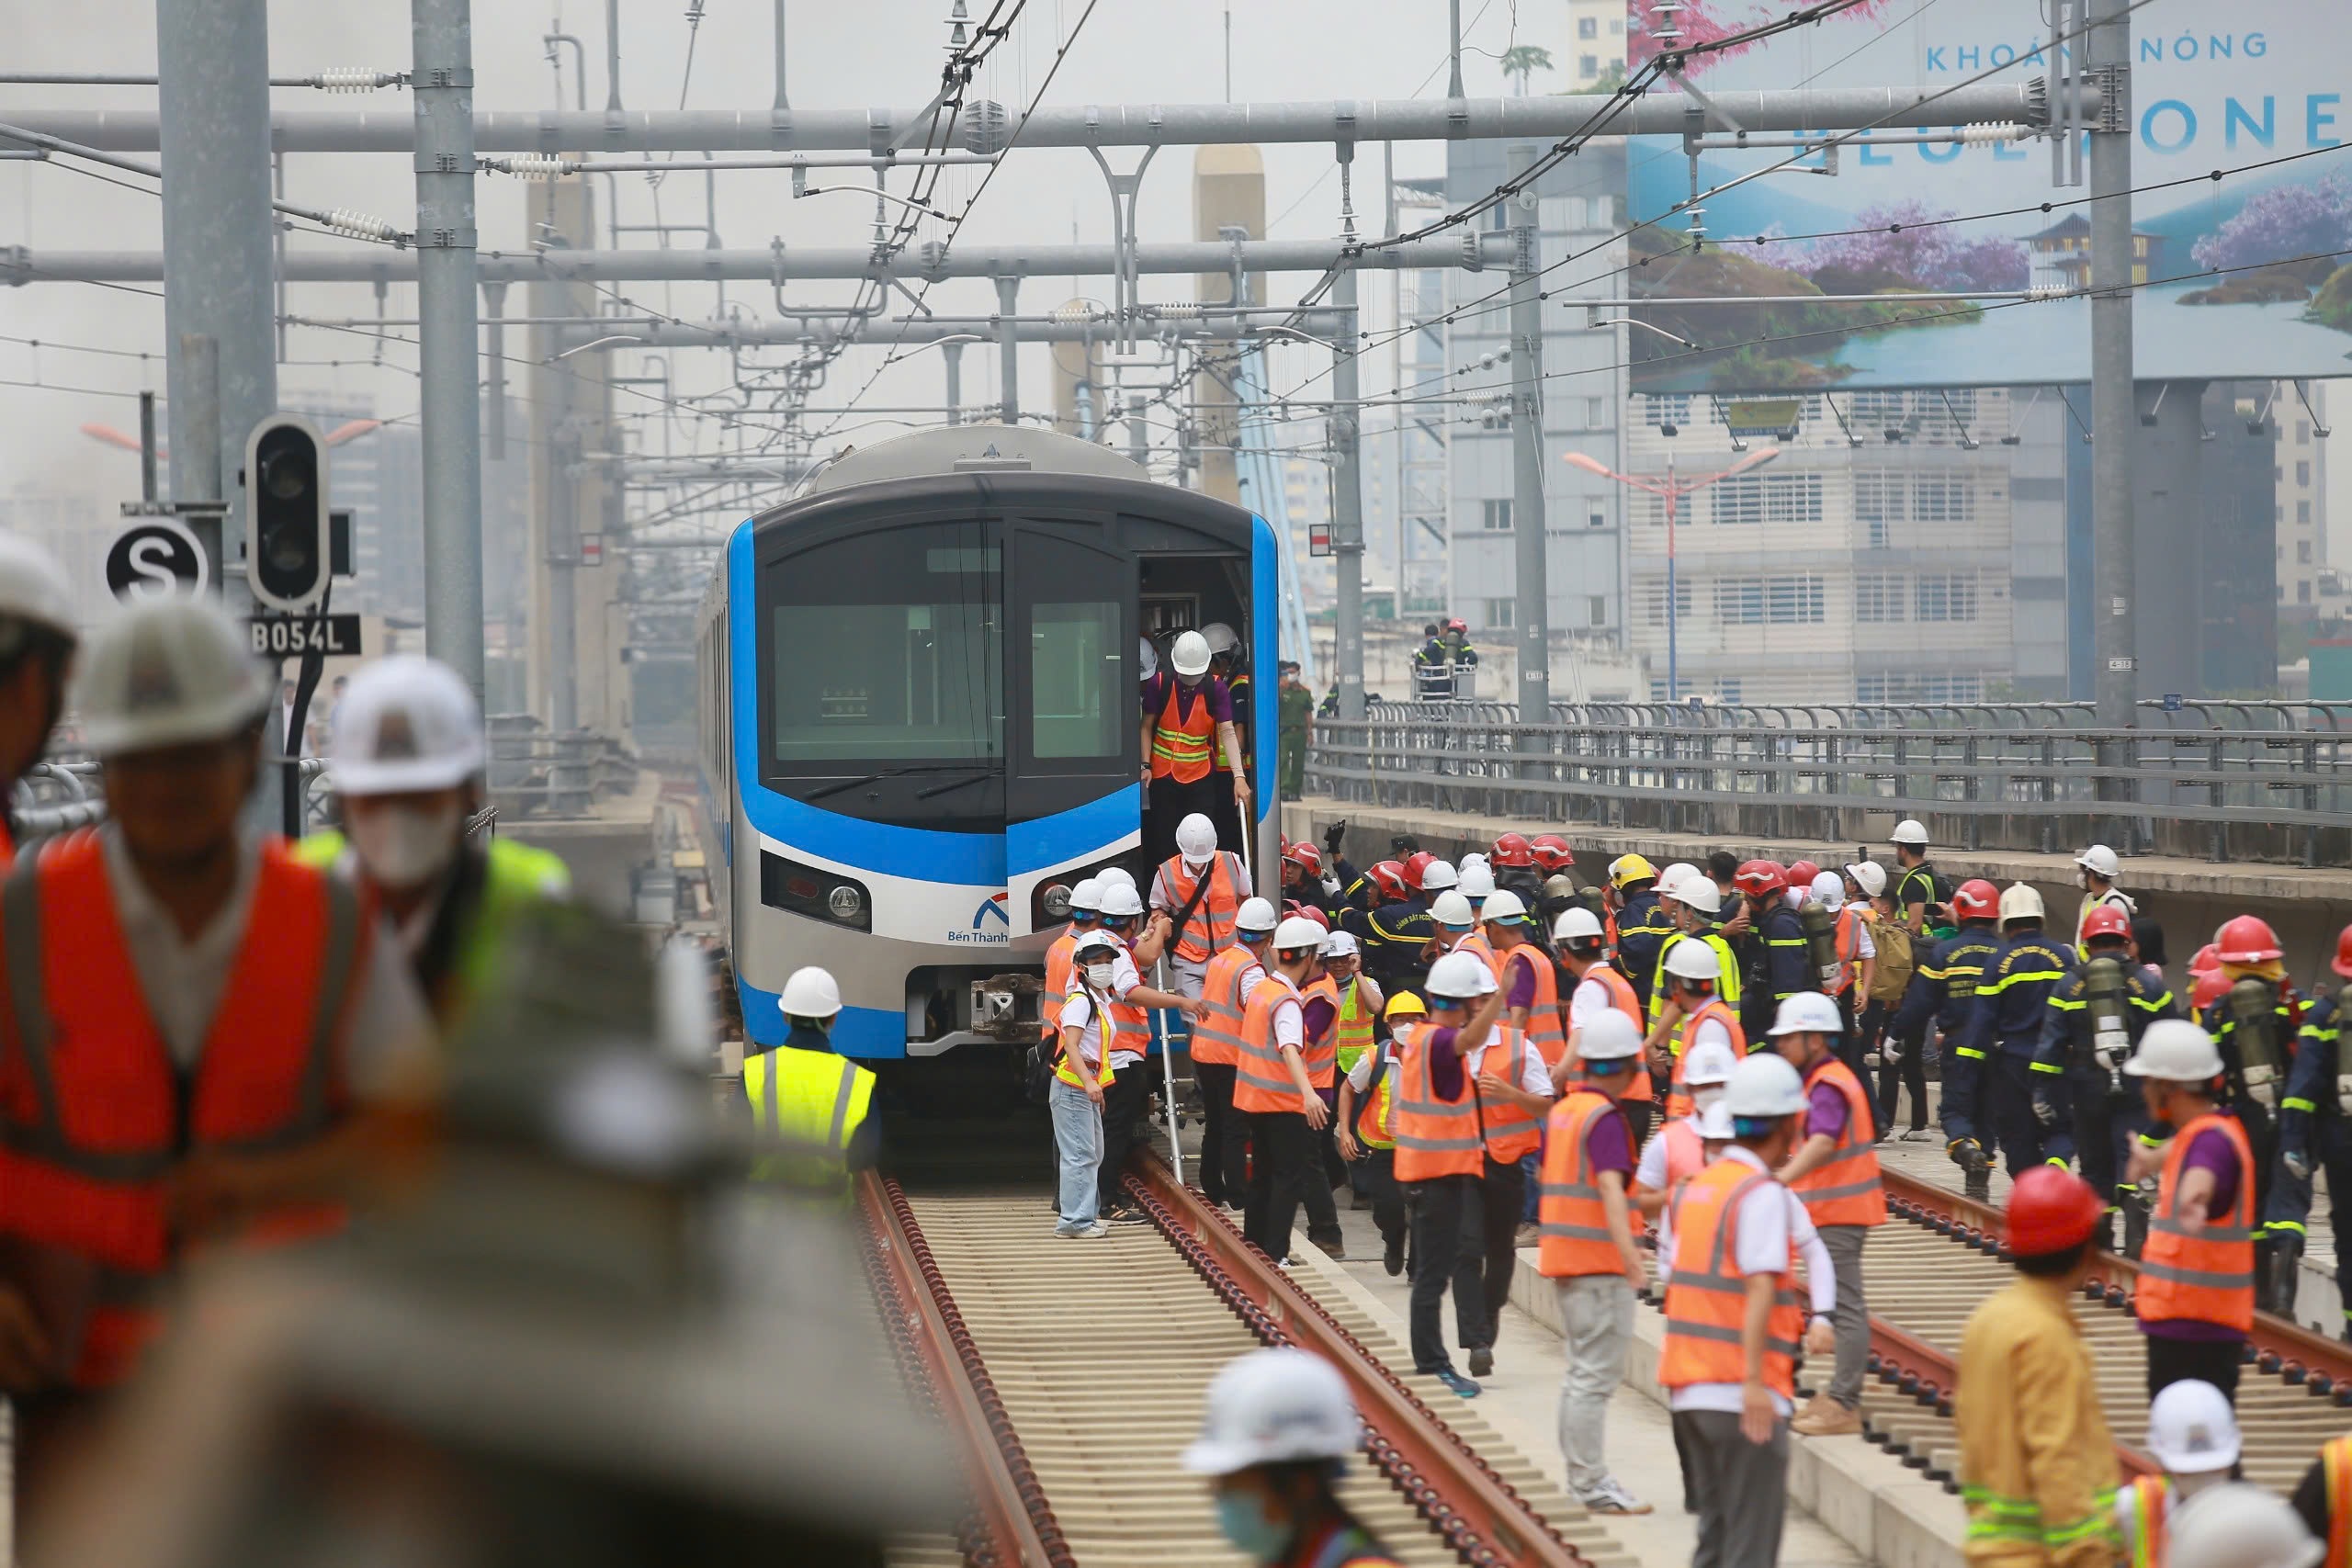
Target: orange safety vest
x,y
1181,742
1477,944
1435,1137
1103,1027
1843,1189
1509,1131
1543,1030
95,1114
1622,998
1678,1102
2335,1460
1210,930
1849,950
2151,1496
2208,1277
1706,1296
1686,1152
1574,1226
1379,1105
1056,982
1216,1039
1322,1055
1261,1080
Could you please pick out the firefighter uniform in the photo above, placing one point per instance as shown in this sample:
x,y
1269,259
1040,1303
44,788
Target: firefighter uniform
x,y
2316,1118
1780,969
2254,1025
2090,1111
2005,1025
1392,938
1944,989
1642,928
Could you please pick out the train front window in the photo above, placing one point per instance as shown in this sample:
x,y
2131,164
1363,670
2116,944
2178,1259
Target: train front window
x,y
887,648
1078,706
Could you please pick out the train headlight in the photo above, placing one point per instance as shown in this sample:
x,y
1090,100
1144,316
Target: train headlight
x,y
1057,901
846,902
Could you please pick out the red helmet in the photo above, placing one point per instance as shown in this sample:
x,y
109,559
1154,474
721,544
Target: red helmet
x,y
1802,873
2052,1209
2207,988
2246,939
1308,912
1760,878
2342,964
1417,863
1457,626
1388,875
1306,856
1512,850
1552,852
2107,919
1976,900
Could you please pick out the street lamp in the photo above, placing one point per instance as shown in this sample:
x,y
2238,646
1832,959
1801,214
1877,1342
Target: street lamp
x,y
1673,489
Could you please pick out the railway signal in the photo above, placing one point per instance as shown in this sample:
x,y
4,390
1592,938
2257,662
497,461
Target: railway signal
x,y
286,518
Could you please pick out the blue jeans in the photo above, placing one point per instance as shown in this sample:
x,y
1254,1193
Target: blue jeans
x,y
1078,1134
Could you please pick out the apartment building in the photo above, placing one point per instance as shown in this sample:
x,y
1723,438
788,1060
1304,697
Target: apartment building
x,y
2299,473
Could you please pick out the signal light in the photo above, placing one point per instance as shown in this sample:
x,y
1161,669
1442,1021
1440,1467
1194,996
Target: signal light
x,y
287,554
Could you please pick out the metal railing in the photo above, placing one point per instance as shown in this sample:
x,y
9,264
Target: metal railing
x,y
2277,792
2199,713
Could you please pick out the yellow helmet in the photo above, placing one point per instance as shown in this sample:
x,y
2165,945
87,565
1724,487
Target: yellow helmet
x,y
1405,1004
1631,868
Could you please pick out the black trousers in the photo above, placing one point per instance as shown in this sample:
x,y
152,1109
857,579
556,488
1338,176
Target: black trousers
x,y
1893,1078
1281,1163
1379,1169
1169,803
1503,1194
1638,1114
1122,1104
2209,1361
1220,1182
1448,1227
1322,1208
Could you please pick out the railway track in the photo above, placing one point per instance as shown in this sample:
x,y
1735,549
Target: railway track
x,y
1072,1375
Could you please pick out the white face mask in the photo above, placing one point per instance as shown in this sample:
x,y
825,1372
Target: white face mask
x,y
1099,976
404,847
1704,1097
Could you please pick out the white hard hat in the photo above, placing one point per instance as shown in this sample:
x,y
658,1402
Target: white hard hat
x,y
33,587
1693,960
1458,976
1611,1037
1714,1121
1219,637
2240,1525
1087,896
1807,1012
1764,1085
1115,874
1340,945
405,723
2192,1430
1452,909
165,672
1830,890
1578,924
809,993
1909,833
1255,916
1672,877
1276,1406
1121,901
1700,892
2020,902
1706,1062
2100,861
1197,838
1297,931
1438,874
2177,1051
1476,879
1191,654
1094,941
1503,905
1870,876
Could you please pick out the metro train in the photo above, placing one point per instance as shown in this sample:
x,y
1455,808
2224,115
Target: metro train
x,y
919,723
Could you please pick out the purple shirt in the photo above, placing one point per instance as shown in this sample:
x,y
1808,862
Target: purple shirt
x,y
1155,697
1316,1015
1446,1080
1609,1143
2211,1151
1522,983
1826,1114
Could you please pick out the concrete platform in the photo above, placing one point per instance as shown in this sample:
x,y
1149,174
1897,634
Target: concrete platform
x,y
602,848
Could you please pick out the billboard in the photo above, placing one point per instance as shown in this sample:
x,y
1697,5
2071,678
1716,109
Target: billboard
x,y
2247,275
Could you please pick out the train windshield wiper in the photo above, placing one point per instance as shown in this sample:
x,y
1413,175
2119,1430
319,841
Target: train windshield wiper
x,y
986,771
892,774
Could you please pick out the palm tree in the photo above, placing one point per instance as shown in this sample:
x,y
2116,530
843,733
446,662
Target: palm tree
x,y
1522,61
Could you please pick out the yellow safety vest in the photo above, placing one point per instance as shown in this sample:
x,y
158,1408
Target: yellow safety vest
x,y
807,1106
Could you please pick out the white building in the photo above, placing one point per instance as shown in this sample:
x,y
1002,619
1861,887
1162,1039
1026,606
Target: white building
x,y
1596,51
2300,471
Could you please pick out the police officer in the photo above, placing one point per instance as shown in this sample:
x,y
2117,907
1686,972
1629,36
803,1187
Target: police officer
x,y
2315,1117
2091,1110
1916,887
2095,870
1394,935
1642,923
2006,1025
808,1105
2253,1024
37,638
1779,969
1944,989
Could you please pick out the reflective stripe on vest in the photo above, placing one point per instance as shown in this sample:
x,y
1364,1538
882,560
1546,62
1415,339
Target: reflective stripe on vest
x,y
1210,930
1099,1025
2208,1277
1707,1297
1181,743
1678,1102
2335,1457
1726,972
2152,1497
1217,1038
1056,983
1849,950
91,1133
1511,1131
1261,1080
1573,1223
1435,1137
806,1106
1686,1152
1376,1110
1322,1056
1543,1030
1845,1190
1352,1035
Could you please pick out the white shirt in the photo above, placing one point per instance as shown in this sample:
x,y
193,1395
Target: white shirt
x,y
1587,1002
1533,1076
1124,979
1865,948
1290,1018
1708,1029
1770,1219
1360,1075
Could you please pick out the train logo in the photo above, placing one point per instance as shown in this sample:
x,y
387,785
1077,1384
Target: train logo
x,y
992,908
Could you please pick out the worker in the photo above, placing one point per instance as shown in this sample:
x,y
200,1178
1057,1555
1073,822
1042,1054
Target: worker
x,y
1122,1073
1679,1151
1441,1155
1514,864
2193,1433
2037,1463
1453,927
1851,961
1901,1062
1696,903
2090,1111
2240,1525
1834,1171
37,641
1229,662
1586,1248
1780,969
1085,915
808,1103
1733,1319
1367,1136
1187,716
2195,1300
1514,1093
1694,1013
1530,981
1919,893
1944,991
1393,936
1642,924
1216,1053
1090,1027
1274,1089
2005,1026
1199,888
1276,1438
1295,728
1599,988
2324,1498
1338,1013
2253,1024
2315,1116
205,1036
407,755
2095,870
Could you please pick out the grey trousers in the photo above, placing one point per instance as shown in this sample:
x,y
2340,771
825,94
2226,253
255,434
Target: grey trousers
x,y
1742,1488
1852,1319
1597,1311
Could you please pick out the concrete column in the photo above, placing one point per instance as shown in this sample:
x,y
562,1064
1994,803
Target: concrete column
x,y
2166,493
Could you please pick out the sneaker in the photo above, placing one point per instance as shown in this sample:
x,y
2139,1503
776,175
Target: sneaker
x,y
1482,1361
1088,1232
1334,1249
1527,1236
1920,1135
1611,1498
1129,1215
1455,1382
1827,1418
1393,1259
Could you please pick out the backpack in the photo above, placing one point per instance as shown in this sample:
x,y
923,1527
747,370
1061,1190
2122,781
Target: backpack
x,y
1895,965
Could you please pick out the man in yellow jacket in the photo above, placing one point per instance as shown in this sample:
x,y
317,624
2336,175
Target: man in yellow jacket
x,y
2036,1463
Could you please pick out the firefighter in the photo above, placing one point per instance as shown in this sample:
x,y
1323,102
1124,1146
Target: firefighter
x,y
1944,989
2315,1117
2094,1023
2006,1024
1393,935
2253,1025
1638,916
1780,968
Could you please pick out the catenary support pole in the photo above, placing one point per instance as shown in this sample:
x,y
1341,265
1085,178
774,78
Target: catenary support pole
x,y
450,340
953,354
1347,498
783,101
494,378
1138,430
2115,678
1008,298
1532,615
